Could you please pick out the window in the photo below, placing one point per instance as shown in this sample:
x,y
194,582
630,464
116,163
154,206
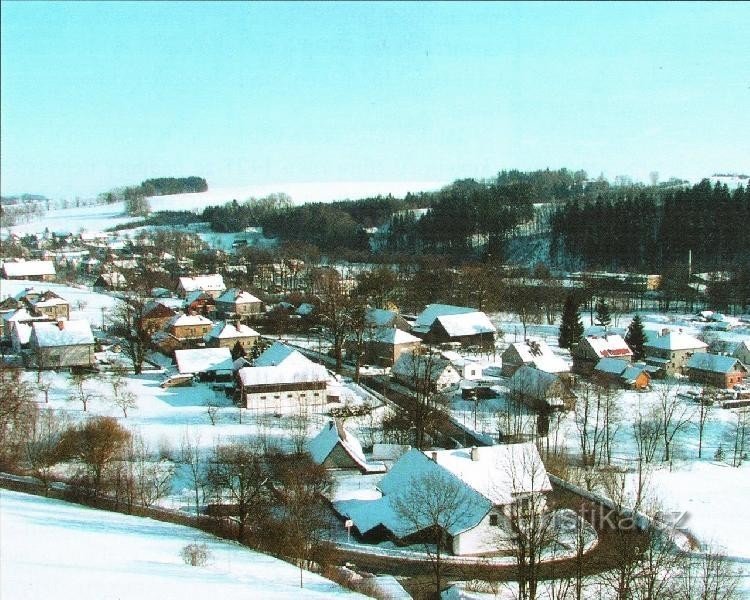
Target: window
x,y
316,394
262,397
494,520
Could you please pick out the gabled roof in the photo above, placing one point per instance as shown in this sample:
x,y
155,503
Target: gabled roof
x,y
49,298
675,340
62,333
715,363
223,330
206,283
539,354
181,320
472,323
238,296
611,346
278,353
334,434
427,317
196,295
613,366
203,360
380,318
29,268
157,310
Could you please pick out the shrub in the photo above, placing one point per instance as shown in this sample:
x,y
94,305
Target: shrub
x,y
196,555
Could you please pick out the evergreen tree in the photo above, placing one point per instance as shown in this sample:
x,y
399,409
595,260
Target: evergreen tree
x,y
603,318
636,338
571,327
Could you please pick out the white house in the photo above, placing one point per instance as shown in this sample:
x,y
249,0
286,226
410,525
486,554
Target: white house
x,y
43,270
535,353
211,284
491,483
62,344
416,370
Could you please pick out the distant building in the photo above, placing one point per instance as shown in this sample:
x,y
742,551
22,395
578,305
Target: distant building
x,y
591,349
238,302
227,334
444,323
189,328
615,372
208,363
212,284
670,350
715,370
540,390
425,372
535,353
42,270
335,447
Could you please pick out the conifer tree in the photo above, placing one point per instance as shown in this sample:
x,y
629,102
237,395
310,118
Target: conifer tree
x,y
636,338
571,327
603,318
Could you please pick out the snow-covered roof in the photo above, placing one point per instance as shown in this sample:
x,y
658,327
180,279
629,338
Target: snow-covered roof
x,y
379,317
427,317
278,353
613,366
714,363
194,295
675,340
305,309
22,332
334,433
189,321
49,298
609,346
203,360
21,315
238,296
395,336
472,323
206,283
29,268
230,329
62,333
407,365
539,354
286,373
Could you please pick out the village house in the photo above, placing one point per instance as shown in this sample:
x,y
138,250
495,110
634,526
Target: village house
x,y
670,350
227,334
591,349
110,281
445,323
540,390
200,303
46,303
237,302
211,284
380,318
41,270
189,329
383,346
286,388
715,370
280,354
491,484
335,447
615,372
425,372
21,315
61,344
535,353
155,316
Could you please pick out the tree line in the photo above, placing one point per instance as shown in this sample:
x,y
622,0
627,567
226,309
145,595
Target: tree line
x,y
649,229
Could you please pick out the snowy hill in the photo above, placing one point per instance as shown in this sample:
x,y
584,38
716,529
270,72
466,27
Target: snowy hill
x,y
52,549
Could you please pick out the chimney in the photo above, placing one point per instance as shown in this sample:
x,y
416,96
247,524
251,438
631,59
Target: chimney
x,y
237,323
434,456
665,331
474,454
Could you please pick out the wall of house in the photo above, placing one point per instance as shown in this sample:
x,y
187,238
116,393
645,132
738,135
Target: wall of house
x,y
720,380
190,331
485,537
283,400
66,356
246,342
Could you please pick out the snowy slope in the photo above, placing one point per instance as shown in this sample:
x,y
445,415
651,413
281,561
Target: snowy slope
x,y
52,549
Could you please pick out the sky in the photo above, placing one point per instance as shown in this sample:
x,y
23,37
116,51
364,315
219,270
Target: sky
x,y
96,95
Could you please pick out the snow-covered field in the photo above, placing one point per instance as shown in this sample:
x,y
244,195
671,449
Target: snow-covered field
x,y
52,549
103,216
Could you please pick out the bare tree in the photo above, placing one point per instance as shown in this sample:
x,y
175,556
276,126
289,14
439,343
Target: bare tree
x,y
711,576
334,312
43,447
705,406
236,474
674,415
434,505
122,397
152,477
296,426
79,379
301,521
191,456
196,555
646,431
126,322
741,436
44,385
589,416
17,415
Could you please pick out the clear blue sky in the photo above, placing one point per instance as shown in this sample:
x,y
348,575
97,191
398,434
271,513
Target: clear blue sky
x,y
96,95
